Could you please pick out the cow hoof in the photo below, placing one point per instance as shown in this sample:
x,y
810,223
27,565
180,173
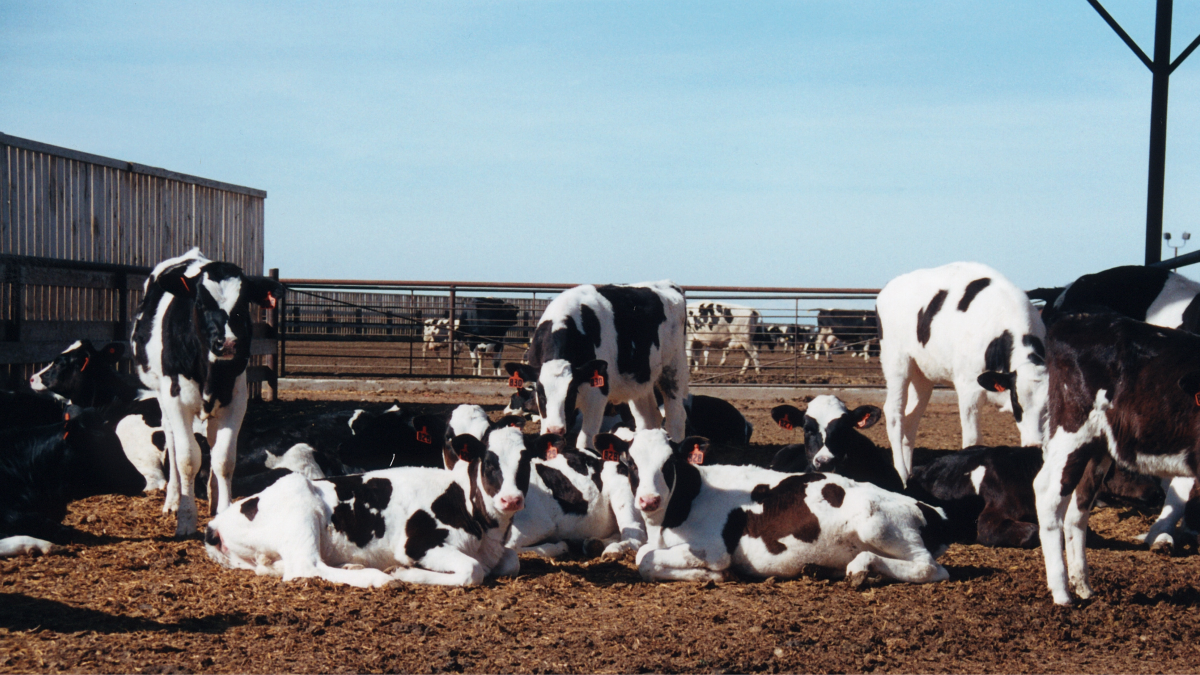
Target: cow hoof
x,y
1163,544
593,548
857,580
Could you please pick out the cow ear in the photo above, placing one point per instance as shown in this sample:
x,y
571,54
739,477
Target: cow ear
x,y
594,373
520,374
112,352
468,448
509,421
1190,384
993,381
175,282
427,428
865,416
611,446
263,291
694,448
547,446
788,416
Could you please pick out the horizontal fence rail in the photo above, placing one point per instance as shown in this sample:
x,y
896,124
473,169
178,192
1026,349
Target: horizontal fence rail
x,y
408,329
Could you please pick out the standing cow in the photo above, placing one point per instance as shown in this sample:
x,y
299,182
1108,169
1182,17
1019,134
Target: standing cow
x,y
724,326
850,328
435,336
596,344
966,325
482,326
191,343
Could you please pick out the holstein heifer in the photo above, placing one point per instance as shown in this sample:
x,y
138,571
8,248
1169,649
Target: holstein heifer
x,y
966,325
1120,390
851,328
44,468
574,497
482,326
724,326
438,526
703,521
599,344
1158,297
191,344
435,336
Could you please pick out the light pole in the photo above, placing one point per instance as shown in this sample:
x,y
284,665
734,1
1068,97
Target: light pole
x,y
1183,241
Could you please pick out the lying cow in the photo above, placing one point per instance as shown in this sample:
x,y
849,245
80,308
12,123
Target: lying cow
x,y
439,527
704,521
966,325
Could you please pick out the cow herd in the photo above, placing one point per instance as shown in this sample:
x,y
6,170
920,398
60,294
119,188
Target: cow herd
x,y
1103,384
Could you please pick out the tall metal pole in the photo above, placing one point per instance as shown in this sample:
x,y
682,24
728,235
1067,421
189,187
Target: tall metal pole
x,y
1156,181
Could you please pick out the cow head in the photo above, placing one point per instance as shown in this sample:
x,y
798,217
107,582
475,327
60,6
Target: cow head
x,y
657,464
221,295
1021,389
557,385
830,428
499,469
74,373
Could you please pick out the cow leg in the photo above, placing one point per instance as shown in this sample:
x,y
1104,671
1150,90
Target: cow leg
x,y
1065,458
444,567
590,401
677,563
970,397
1160,535
645,412
631,530
908,394
724,356
919,568
1075,523
509,564
551,549
22,545
171,498
223,428
185,452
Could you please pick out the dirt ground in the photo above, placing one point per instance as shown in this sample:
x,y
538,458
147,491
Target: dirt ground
x,y
127,597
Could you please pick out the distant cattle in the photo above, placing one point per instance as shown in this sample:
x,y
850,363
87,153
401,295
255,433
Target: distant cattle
x,y
481,326
704,521
724,326
191,344
435,336
963,324
846,329
789,338
600,344
432,525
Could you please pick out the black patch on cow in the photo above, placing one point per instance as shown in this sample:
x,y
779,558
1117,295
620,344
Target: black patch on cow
x,y
451,508
784,513
1078,461
567,342
637,315
580,462
937,532
477,505
735,527
925,316
684,481
359,513
1128,290
492,476
1038,355
1191,316
668,382
834,494
971,291
998,356
591,324
422,534
250,508
569,498
159,439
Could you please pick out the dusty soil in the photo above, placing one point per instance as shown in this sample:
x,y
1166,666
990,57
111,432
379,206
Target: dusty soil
x,y
126,597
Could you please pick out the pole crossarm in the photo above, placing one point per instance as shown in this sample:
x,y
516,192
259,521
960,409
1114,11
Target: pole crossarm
x,y
1122,34
1184,54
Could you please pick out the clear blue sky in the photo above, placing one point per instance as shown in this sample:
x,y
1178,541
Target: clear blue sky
x,y
789,144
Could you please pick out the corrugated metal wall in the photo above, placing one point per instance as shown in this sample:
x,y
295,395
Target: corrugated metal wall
x,y
69,205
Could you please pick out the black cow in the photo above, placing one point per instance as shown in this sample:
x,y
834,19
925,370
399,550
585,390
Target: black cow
x,y
482,326
87,376
852,328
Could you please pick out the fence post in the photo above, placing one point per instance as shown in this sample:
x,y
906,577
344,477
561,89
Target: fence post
x,y
453,332
271,360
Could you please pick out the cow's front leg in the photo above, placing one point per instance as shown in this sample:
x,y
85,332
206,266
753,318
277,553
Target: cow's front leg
x,y
677,563
444,567
1049,485
223,428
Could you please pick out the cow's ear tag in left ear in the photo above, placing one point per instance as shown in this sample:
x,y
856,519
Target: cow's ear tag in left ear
x,y
696,456
423,436
1198,398
515,381
609,454
786,423
999,387
551,451
597,379
863,422
86,360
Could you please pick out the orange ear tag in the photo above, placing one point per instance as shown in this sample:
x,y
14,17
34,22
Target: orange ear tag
x,y
183,280
998,387
609,454
863,422
271,301
551,452
423,436
515,381
786,423
695,456
597,379
86,359
1198,398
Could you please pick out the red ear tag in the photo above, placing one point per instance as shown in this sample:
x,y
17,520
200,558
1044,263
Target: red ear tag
x,y
695,456
1198,398
515,381
271,300
183,280
517,426
86,359
423,436
998,387
609,454
65,434
551,452
786,423
863,422
597,379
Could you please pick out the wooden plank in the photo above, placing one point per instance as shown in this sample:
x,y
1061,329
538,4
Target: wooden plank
x,y
43,276
59,330
36,352
5,197
261,347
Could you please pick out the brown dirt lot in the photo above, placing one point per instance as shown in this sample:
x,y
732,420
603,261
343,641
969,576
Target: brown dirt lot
x,y
128,598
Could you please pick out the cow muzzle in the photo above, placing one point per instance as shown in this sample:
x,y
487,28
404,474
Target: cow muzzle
x,y
649,503
511,504
224,348
560,431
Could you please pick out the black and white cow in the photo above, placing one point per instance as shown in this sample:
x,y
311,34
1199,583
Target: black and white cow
x,y
703,521
438,526
966,325
790,338
435,336
849,328
1120,390
833,444
724,326
1158,297
574,497
43,468
191,343
615,343
481,326
25,409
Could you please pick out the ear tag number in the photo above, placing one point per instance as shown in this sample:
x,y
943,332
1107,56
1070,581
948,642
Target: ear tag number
x,y
696,456
515,381
423,436
597,379
609,454
786,423
551,452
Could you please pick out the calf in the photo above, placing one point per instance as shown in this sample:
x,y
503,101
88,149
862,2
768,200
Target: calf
x,y
191,343
435,336
987,342
482,326
1120,390
600,344
44,468
717,420
703,521
851,328
724,326
438,526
